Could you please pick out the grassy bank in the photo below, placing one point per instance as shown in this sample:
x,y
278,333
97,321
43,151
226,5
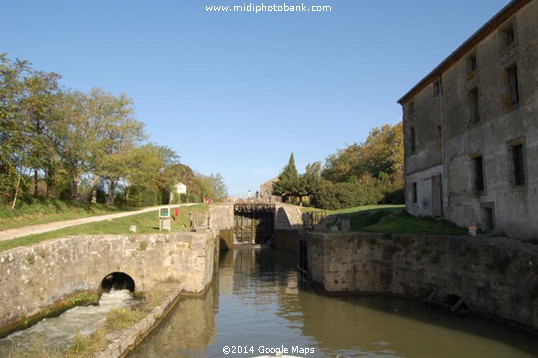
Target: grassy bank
x,y
146,223
392,219
42,211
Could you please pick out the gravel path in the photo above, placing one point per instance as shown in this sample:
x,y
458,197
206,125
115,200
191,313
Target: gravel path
x,y
57,225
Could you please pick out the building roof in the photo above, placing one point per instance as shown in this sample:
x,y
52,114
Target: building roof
x,y
490,26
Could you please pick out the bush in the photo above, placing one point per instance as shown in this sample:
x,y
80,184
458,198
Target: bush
x,y
355,192
140,196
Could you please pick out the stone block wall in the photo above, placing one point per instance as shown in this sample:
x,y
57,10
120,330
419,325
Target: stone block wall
x,y
32,278
287,240
497,277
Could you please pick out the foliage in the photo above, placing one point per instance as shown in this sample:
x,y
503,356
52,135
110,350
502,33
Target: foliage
x,y
361,174
288,183
382,152
355,192
291,184
366,173
26,99
77,145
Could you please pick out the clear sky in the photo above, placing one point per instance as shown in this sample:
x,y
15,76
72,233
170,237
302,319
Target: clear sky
x,y
236,93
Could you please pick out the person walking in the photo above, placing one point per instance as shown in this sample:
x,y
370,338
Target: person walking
x,y
191,221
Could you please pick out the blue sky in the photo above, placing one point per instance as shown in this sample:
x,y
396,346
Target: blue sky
x,y
236,93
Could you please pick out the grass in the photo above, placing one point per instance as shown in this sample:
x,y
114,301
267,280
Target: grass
x,y
394,219
403,223
147,223
42,211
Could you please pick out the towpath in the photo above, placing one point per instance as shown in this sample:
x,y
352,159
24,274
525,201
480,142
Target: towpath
x,y
57,225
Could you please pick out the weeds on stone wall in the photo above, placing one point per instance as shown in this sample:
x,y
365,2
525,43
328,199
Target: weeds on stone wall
x,y
143,246
500,264
30,259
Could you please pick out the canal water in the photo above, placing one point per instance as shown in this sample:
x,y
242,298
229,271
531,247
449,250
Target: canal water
x,y
257,306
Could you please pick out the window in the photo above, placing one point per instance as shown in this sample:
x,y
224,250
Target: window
x,y
512,95
508,36
412,139
516,157
478,169
411,108
414,192
488,216
474,106
437,88
472,65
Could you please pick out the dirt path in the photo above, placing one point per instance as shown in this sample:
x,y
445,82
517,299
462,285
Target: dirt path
x,y
57,225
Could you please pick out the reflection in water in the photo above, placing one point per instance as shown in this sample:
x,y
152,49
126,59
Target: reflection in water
x,y
59,332
255,303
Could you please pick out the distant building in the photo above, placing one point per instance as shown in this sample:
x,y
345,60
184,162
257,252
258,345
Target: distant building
x,y
471,130
179,188
266,192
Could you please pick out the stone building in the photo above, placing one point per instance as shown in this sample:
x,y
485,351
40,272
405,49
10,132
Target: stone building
x,y
471,130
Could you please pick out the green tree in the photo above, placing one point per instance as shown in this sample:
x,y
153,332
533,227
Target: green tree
x,y
311,179
13,153
75,137
116,133
382,152
220,190
38,115
147,168
97,138
289,183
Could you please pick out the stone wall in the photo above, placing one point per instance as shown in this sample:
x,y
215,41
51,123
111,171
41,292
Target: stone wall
x,y
36,277
221,217
497,277
287,240
288,217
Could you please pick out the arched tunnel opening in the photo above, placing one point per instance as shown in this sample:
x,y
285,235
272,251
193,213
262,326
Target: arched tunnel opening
x,y
117,281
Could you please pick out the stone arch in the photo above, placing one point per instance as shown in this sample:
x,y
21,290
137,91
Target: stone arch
x,y
117,281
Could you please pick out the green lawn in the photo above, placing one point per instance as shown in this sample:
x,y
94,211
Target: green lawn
x,y
43,211
394,219
146,223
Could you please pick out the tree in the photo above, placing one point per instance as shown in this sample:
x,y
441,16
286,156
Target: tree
x,y
311,179
288,183
13,158
382,152
365,173
116,132
220,190
75,137
97,135
37,108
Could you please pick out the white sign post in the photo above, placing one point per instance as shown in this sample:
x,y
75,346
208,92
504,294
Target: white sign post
x,y
165,220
